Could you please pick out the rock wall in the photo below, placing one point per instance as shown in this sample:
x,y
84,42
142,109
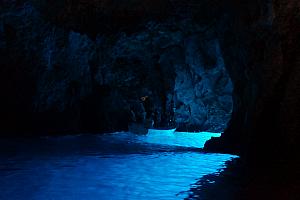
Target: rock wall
x,y
84,65
261,41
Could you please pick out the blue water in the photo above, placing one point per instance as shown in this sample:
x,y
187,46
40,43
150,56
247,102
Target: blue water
x,y
106,167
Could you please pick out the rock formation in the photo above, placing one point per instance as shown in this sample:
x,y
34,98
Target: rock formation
x,y
260,40
82,66
76,66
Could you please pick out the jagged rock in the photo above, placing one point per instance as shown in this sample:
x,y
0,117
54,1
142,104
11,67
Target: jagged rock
x,y
83,81
54,57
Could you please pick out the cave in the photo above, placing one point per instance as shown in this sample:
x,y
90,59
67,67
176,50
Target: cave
x,y
230,68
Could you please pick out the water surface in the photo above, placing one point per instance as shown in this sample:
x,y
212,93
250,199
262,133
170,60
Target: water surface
x,y
111,166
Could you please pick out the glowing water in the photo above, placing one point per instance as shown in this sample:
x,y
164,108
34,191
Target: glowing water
x,y
181,139
112,166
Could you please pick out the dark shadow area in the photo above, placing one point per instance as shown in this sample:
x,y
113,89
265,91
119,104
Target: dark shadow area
x,y
81,66
239,181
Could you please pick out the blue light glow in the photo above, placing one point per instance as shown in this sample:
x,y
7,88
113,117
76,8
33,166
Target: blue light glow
x,y
181,139
112,166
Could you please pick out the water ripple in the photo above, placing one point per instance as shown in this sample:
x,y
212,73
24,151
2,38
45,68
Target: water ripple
x,y
111,166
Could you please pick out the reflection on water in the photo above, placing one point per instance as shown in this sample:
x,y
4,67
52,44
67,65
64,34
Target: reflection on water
x,y
111,166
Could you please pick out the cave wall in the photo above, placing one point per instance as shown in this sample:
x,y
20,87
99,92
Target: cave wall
x,y
178,43
72,66
261,43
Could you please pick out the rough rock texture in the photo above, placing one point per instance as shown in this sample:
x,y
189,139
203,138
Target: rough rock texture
x,y
261,43
84,65
178,45
182,48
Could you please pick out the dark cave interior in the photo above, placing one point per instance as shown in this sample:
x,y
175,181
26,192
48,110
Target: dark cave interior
x,y
73,66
